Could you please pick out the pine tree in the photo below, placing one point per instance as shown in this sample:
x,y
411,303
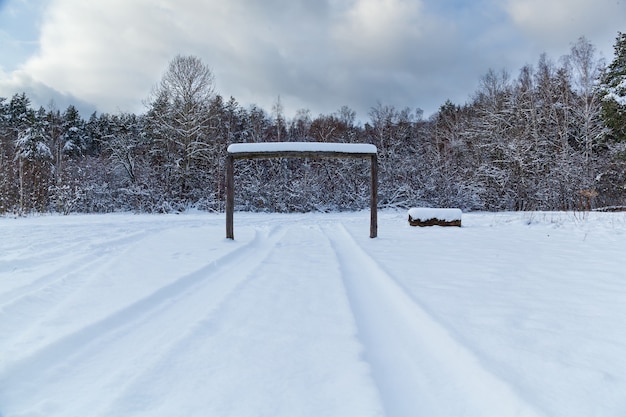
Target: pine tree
x,y
7,171
32,152
20,113
73,132
614,92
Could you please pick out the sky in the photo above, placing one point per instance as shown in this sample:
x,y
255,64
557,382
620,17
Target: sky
x,y
318,55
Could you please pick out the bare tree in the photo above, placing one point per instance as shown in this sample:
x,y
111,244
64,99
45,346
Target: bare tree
x,y
179,118
277,111
586,69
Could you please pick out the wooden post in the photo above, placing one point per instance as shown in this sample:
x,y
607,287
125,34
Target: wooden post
x,y
374,197
230,196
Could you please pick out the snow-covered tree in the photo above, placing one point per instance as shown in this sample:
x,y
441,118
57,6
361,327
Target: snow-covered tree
x,y
73,138
7,171
32,142
586,70
614,92
179,121
33,154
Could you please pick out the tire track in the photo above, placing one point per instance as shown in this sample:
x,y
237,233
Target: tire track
x,y
418,366
68,263
182,303
264,339
24,307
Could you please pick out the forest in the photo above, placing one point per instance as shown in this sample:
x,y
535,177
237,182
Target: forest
x,y
551,137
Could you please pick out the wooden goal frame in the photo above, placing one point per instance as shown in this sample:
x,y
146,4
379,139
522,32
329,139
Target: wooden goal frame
x,y
300,150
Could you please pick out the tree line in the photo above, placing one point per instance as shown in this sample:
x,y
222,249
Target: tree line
x,y
551,138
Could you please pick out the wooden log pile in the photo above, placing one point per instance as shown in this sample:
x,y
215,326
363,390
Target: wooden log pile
x,y
423,216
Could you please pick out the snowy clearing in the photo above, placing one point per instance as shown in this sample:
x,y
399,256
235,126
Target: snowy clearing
x,y
514,314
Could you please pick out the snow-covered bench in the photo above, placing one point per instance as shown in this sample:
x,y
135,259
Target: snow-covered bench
x,y
423,216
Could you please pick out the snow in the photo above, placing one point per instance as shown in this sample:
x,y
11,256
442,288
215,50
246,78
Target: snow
x,y
617,93
269,147
443,214
619,99
515,314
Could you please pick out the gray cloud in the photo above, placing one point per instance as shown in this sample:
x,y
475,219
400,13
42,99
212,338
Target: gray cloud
x,y
43,95
318,55
552,25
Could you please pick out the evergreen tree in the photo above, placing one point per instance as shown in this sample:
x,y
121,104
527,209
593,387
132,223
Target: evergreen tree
x,y
20,113
18,116
32,151
614,92
73,132
7,173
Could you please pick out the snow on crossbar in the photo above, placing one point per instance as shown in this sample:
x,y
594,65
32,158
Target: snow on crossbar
x,y
423,216
300,149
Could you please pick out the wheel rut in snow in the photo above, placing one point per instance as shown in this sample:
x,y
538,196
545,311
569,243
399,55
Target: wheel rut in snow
x,y
66,273
181,304
285,338
29,307
419,368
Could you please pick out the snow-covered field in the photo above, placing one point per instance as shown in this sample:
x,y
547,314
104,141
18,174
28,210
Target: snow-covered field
x,y
514,314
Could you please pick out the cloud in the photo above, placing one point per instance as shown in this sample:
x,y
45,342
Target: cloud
x,y
40,94
314,54
377,29
319,55
550,24
102,52
112,53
